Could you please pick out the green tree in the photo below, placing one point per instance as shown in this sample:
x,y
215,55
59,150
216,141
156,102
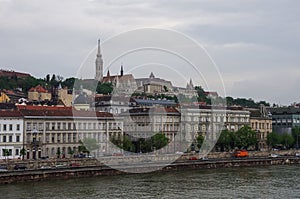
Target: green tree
x,y
5,153
200,140
225,140
286,140
246,138
69,82
201,95
58,152
104,88
23,153
273,139
159,140
90,144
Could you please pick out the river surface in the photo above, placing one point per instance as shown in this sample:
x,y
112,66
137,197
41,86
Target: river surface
x,y
256,182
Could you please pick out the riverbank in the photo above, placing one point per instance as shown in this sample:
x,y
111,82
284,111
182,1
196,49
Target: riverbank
x,y
99,169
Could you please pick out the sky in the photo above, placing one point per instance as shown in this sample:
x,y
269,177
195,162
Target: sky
x,y
255,44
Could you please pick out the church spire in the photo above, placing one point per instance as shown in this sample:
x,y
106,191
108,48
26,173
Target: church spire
x,y
122,71
99,49
99,64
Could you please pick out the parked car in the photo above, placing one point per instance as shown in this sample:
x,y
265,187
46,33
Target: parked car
x,y
80,156
75,165
45,167
20,167
193,158
241,154
273,155
61,165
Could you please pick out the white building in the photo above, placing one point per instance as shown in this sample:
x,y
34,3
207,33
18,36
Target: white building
x,y
11,134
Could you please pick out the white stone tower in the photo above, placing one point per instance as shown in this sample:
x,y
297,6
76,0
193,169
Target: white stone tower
x,y
99,64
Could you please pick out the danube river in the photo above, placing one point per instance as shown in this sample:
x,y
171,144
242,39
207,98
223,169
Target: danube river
x,y
255,182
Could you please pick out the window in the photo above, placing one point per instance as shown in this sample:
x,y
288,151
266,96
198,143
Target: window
x,y
58,125
17,151
10,127
47,138
41,126
4,138
18,127
53,126
18,138
64,126
10,138
74,138
4,127
28,126
47,125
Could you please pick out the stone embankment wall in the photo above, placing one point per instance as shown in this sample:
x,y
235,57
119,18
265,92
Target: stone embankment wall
x,y
85,167
214,155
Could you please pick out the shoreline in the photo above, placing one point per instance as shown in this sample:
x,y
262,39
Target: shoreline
x,y
22,176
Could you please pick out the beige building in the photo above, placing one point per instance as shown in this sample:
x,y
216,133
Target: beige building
x,y
262,124
65,96
152,88
182,127
145,122
209,121
55,131
39,93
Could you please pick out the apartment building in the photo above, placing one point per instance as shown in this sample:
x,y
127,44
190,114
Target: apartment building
x,y
11,134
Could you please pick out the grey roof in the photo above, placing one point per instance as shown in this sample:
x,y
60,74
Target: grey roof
x,y
155,102
81,99
284,110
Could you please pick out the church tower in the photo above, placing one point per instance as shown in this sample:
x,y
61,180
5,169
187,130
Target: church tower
x,y
99,64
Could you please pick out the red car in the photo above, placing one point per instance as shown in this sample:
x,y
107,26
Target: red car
x,y
193,158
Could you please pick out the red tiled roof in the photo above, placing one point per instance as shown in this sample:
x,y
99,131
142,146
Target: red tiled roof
x,y
49,111
10,113
38,89
7,73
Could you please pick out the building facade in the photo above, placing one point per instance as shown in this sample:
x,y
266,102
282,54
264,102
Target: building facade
x,y
146,122
284,119
11,134
39,93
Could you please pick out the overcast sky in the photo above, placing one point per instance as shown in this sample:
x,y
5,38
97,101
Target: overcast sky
x,y
254,43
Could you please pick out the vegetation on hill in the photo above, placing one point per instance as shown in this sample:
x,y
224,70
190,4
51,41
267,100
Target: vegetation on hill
x,y
53,81
243,102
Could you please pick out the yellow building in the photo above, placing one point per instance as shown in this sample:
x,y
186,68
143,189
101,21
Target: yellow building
x,y
263,126
38,93
65,96
4,98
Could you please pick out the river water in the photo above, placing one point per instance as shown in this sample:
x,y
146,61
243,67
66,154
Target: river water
x,y
256,182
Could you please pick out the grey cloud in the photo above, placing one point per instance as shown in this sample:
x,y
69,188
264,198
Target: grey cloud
x,y
244,37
